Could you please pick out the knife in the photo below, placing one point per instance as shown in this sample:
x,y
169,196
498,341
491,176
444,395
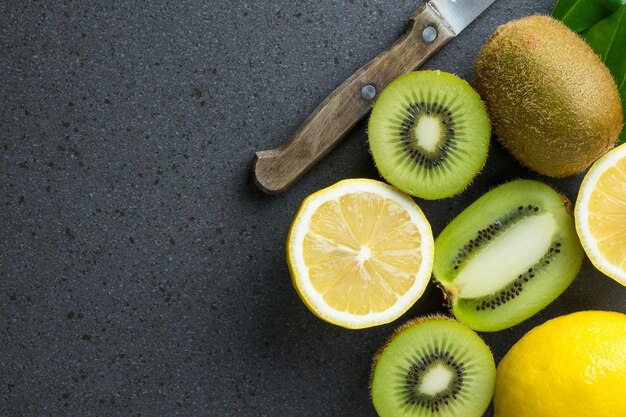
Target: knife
x,y
431,26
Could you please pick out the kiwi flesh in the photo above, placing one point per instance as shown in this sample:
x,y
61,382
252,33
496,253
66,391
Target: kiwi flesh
x,y
433,366
508,255
553,103
429,134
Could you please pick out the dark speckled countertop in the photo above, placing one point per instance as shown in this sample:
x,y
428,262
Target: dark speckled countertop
x,y
141,272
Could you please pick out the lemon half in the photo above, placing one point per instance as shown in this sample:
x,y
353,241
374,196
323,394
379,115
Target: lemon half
x,y
360,253
600,214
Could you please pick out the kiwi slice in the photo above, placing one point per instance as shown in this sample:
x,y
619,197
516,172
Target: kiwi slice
x,y
429,134
508,255
433,366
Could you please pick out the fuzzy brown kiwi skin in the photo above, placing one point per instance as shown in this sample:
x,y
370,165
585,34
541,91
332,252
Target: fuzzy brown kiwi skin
x,y
396,332
568,204
552,102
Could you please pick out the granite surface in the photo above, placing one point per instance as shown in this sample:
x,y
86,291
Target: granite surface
x,y
141,271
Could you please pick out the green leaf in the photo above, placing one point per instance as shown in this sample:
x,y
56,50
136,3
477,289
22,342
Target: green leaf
x,y
622,93
608,39
581,14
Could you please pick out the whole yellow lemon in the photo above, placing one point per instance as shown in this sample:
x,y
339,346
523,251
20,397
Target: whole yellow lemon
x,y
571,366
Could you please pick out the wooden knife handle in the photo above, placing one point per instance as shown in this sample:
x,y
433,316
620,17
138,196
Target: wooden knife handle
x,y
276,169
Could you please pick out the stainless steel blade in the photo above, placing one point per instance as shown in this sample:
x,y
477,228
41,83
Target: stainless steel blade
x,y
460,13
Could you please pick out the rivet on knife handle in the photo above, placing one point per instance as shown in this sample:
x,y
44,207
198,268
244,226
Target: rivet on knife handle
x,y
276,169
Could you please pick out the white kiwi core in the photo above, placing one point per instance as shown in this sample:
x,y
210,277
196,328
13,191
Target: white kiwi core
x,y
506,257
436,380
427,133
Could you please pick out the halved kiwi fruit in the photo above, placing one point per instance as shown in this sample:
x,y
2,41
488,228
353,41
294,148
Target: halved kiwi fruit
x,y
508,255
429,134
433,366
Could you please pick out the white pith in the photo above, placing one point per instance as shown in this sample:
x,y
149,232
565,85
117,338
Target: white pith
x,y
301,228
427,133
436,380
581,213
364,254
506,257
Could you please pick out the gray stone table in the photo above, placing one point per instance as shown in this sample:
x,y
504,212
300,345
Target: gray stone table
x,y
141,271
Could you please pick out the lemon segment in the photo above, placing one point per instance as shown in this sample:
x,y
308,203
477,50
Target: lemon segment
x,y
360,253
601,214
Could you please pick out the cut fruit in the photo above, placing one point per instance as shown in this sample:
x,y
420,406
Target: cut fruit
x,y
429,134
433,366
508,255
360,253
601,214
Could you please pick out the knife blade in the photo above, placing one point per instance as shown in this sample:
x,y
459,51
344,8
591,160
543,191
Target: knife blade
x,y
458,14
430,27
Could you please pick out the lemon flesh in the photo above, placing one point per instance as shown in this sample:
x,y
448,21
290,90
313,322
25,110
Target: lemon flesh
x,y
601,214
360,253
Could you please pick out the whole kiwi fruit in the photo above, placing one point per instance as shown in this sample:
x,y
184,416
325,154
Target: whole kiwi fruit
x,y
552,102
